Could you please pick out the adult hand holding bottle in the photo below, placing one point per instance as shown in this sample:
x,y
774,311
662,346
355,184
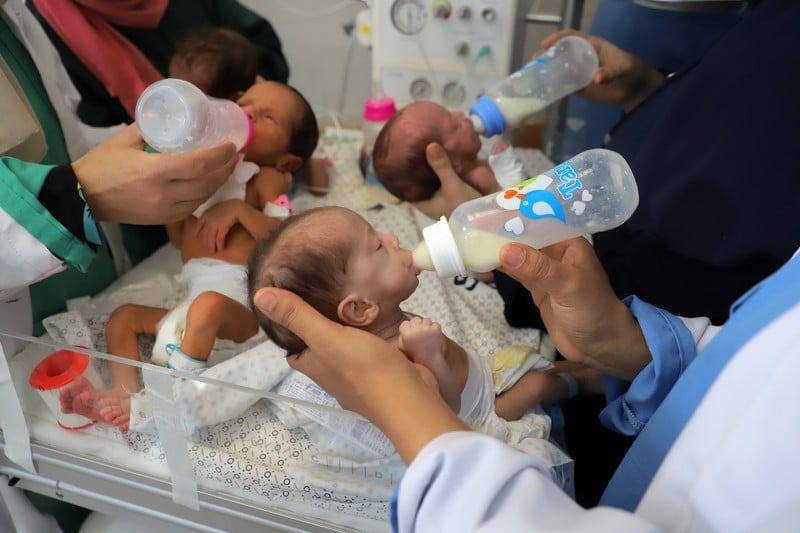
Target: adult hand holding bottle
x,y
124,183
583,315
621,78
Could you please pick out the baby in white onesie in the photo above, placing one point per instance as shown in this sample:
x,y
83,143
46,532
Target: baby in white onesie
x,y
335,260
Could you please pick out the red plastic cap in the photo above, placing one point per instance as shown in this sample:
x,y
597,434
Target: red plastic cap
x,y
58,369
379,110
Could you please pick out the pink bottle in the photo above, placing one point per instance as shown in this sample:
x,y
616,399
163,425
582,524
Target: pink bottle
x,y
377,111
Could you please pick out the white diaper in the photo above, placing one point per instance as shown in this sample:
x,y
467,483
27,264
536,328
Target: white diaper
x,y
200,275
478,396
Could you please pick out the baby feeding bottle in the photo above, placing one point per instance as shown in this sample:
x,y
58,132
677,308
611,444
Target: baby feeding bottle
x,y
377,111
592,192
176,117
562,69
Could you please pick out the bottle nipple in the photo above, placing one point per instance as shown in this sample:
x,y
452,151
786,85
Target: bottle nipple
x,y
422,257
477,124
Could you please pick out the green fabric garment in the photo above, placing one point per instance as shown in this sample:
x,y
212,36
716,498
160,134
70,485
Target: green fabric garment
x,y
20,183
98,108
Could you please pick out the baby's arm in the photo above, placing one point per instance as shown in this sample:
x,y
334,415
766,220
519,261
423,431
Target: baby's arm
x,y
263,188
422,341
266,186
217,221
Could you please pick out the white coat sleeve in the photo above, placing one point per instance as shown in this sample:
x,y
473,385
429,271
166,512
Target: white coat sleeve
x,y
465,481
23,258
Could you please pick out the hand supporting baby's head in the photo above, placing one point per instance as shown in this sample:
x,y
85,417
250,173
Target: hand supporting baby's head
x,y
399,153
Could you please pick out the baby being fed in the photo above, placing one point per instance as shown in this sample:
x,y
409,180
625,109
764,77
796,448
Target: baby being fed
x,y
336,261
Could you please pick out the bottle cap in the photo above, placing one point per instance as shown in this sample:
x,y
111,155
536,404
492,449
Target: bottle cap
x,y
443,250
379,110
489,114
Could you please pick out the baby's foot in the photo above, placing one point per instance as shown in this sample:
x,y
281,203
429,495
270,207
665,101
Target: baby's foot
x,y
116,409
71,391
421,340
107,405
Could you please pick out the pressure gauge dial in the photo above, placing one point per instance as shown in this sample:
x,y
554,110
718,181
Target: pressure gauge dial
x,y
454,94
421,89
408,16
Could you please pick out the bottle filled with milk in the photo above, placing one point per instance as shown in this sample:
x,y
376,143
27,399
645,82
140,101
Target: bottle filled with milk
x,y
592,192
567,66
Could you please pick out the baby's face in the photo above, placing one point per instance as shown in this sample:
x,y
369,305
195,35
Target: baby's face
x,y
378,268
452,129
274,110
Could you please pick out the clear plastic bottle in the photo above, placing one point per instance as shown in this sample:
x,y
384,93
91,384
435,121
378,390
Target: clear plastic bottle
x,y
592,192
176,117
377,111
562,69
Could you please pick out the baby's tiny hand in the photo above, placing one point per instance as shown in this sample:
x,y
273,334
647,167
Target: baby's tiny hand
x,y
216,222
421,340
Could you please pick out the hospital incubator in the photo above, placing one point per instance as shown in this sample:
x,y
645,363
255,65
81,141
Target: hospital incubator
x,y
592,192
562,69
176,117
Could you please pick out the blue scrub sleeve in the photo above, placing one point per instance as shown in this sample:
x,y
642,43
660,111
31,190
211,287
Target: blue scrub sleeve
x,y
631,404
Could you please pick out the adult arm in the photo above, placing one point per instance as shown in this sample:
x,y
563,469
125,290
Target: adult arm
x,y
673,343
464,481
457,480
642,350
621,78
42,215
583,316
34,243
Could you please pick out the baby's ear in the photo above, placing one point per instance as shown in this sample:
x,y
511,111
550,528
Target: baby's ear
x,y
356,311
289,163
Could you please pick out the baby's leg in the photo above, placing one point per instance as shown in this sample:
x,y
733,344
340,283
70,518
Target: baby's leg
x,y
124,327
422,341
212,315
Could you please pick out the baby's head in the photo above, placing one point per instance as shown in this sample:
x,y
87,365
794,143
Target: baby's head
x,y
285,131
221,62
333,259
399,153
